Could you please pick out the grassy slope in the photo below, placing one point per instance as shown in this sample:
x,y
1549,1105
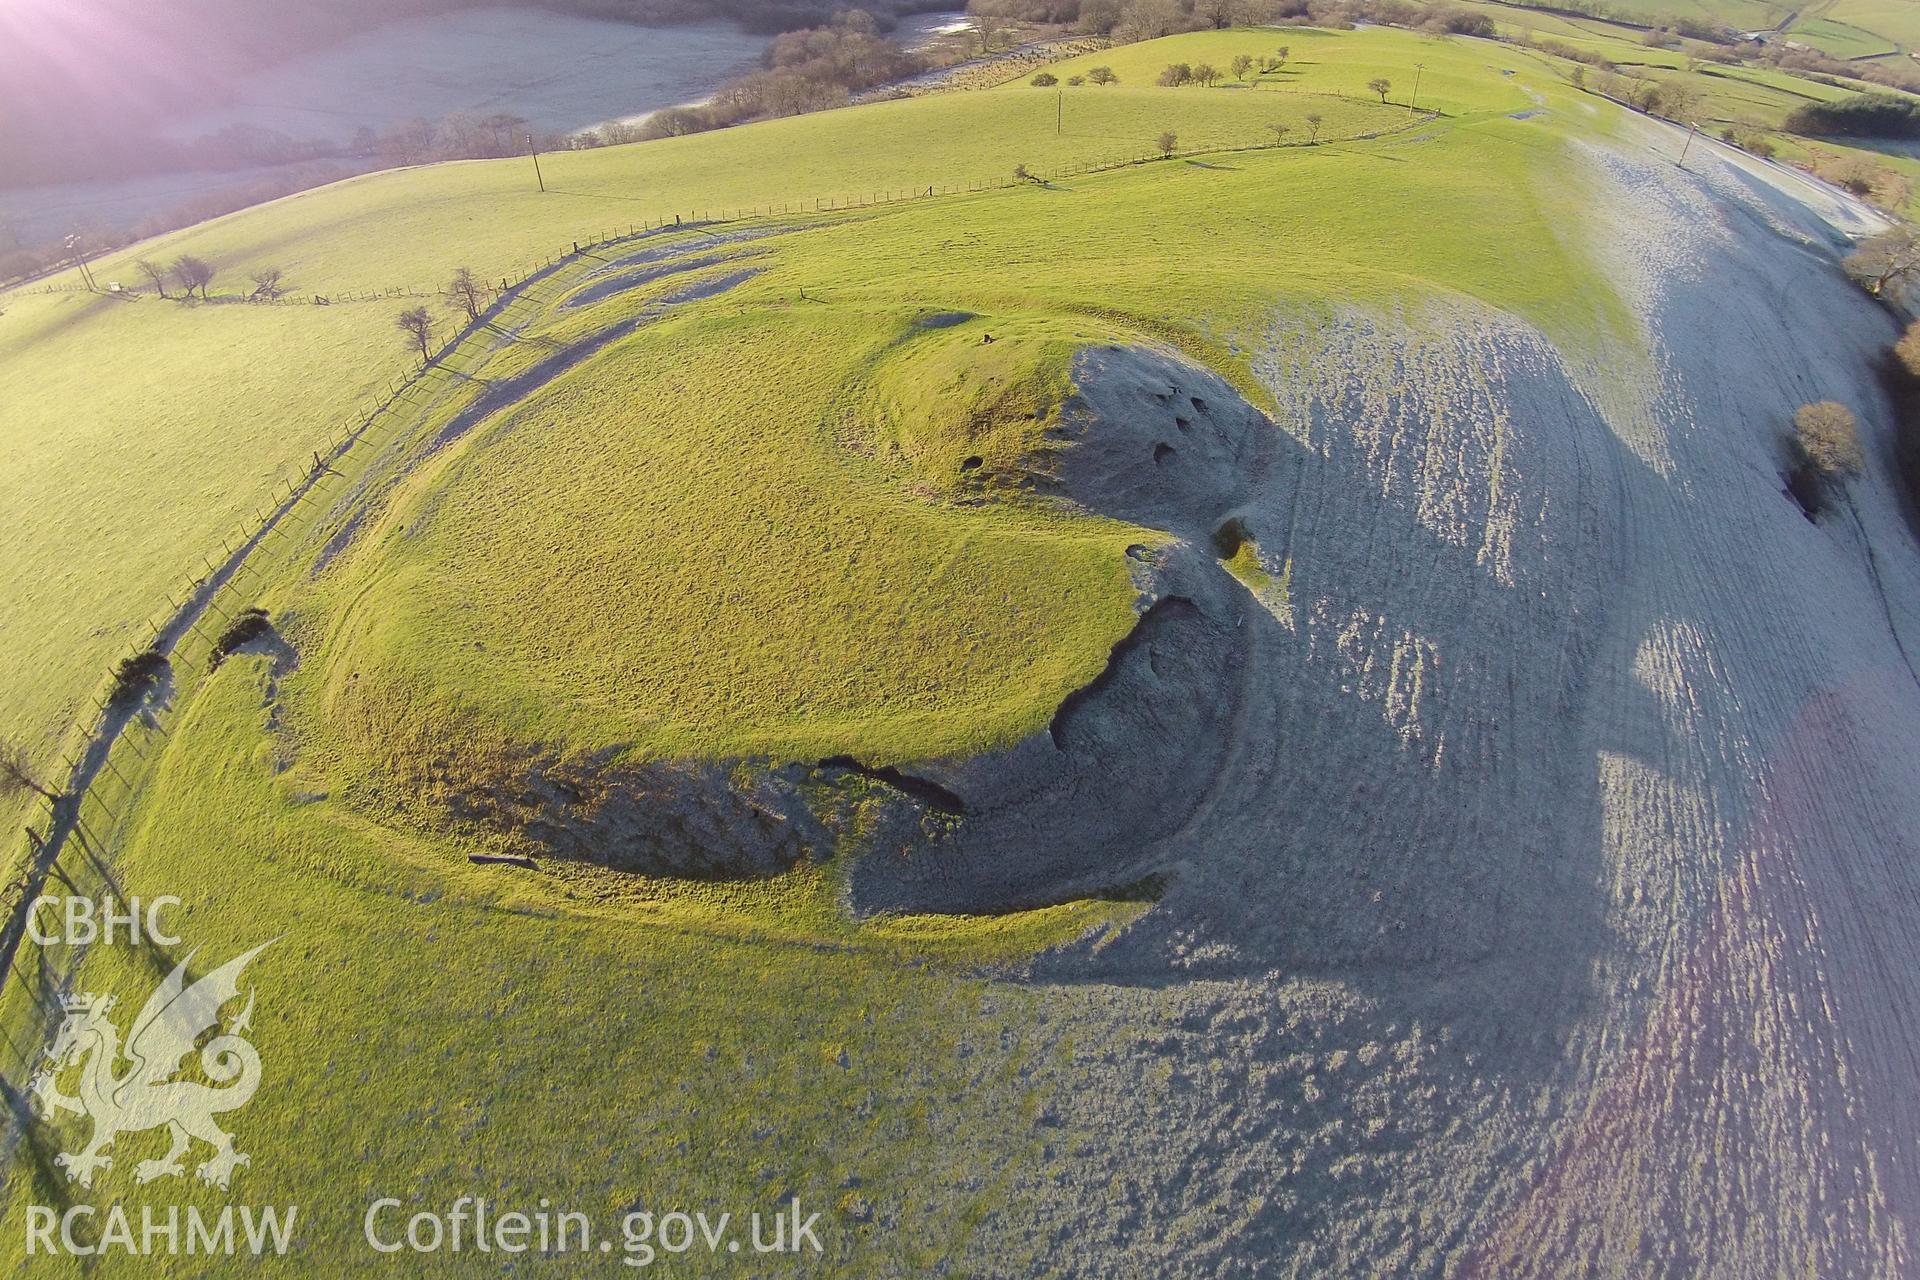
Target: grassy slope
x,y
1747,96
608,1042
1843,28
693,1066
415,226
744,618
1841,39
136,434
247,389
755,570
1894,20
1743,15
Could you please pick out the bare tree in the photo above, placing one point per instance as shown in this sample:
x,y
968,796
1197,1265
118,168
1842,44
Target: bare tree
x,y
1382,86
155,273
17,773
1885,263
1280,132
1242,63
1206,73
193,273
1313,123
266,284
1217,14
467,293
1102,75
1168,142
417,324
986,28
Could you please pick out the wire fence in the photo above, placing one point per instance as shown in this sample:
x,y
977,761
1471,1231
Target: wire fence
x,y
1138,153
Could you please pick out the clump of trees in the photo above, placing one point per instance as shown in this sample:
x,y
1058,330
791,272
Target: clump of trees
x,y
1241,67
1902,380
1748,139
136,676
466,294
1045,80
1826,446
1179,73
1669,99
1865,115
1828,439
192,273
801,71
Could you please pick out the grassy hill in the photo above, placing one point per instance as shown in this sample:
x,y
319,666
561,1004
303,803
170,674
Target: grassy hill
x,y
757,494
253,389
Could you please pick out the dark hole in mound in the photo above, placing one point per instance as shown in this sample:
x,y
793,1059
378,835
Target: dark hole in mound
x,y
1139,551
1198,404
1161,452
925,790
1185,424
971,462
1230,537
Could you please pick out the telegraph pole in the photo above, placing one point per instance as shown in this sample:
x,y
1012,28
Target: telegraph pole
x,y
1693,127
1060,113
80,260
1418,67
535,153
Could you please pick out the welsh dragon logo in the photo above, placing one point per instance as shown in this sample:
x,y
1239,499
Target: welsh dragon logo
x,y
145,1095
